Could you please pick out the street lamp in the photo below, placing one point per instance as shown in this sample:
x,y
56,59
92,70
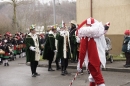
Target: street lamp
x,y
54,12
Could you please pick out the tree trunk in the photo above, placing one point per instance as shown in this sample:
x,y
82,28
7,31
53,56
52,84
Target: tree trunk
x,y
14,17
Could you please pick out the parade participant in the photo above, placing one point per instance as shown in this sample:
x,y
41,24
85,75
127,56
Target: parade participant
x,y
20,41
126,47
92,49
7,53
1,49
33,50
50,49
42,41
24,46
10,45
73,42
6,37
16,42
55,55
6,49
15,45
63,49
47,32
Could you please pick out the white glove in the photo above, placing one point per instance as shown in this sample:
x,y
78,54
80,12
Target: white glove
x,y
32,48
62,33
79,69
77,39
55,51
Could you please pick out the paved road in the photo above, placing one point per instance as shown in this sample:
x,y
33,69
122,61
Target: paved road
x,y
18,74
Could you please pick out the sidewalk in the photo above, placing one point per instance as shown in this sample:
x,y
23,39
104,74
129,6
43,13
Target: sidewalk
x,y
116,66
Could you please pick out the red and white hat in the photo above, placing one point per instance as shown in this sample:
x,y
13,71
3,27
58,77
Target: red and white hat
x,y
127,32
90,21
108,24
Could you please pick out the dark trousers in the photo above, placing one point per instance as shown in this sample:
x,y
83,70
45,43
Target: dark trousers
x,y
64,63
77,55
74,52
49,62
57,62
51,57
33,65
127,55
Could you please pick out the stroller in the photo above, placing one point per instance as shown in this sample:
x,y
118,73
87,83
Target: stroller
x,y
109,57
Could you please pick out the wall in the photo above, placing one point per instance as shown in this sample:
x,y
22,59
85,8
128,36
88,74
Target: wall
x,y
115,11
116,41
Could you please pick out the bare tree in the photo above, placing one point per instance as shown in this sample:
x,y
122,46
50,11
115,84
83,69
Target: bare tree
x,y
15,3
22,13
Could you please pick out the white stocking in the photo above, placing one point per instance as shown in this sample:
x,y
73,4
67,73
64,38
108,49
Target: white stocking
x,y
90,78
6,61
101,85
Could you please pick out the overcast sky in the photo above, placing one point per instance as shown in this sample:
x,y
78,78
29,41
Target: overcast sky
x,y
44,1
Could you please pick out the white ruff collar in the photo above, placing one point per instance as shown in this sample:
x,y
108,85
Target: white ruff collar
x,y
51,32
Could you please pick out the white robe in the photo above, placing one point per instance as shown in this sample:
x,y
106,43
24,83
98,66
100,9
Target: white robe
x,y
65,33
96,32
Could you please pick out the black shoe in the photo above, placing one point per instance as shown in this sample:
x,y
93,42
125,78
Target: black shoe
x,y
50,69
126,66
72,61
58,68
82,72
0,63
33,75
66,72
37,74
88,71
63,73
7,64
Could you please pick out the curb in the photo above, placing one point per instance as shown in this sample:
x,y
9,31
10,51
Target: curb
x,y
125,70
112,69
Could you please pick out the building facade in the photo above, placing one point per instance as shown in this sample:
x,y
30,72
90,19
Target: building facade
x,y
115,11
